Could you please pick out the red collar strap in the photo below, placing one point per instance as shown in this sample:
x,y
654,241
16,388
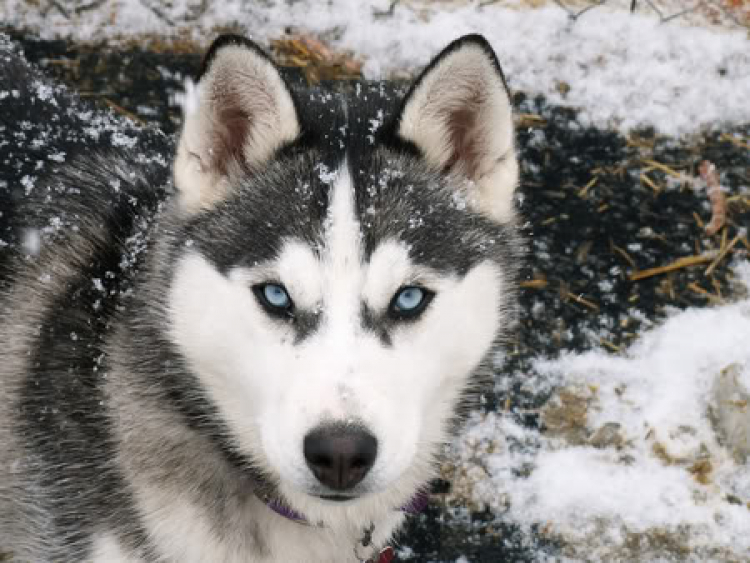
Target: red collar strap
x,y
385,556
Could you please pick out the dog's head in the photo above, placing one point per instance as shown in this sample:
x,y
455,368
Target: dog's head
x,y
345,266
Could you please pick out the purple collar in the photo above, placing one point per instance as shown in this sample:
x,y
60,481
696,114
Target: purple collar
x,y
416,505
281,508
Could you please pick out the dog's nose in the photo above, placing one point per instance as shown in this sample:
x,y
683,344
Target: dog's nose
x,y
340,455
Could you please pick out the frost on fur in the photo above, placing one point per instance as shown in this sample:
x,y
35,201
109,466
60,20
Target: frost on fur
x,y
459,116
240,112
188,100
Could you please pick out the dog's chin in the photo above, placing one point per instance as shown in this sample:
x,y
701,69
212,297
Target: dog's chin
x,y
338,498
332,496
323,496
331,508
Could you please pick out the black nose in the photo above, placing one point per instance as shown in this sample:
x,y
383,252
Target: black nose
x,y
340,455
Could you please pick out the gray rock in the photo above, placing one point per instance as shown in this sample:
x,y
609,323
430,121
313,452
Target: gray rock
x,y
730,412
607,436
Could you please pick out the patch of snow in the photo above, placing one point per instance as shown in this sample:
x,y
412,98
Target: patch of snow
x,y
31,241
620,69
664,473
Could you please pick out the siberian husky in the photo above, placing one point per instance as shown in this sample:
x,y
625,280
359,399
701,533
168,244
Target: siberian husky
x,y
256,351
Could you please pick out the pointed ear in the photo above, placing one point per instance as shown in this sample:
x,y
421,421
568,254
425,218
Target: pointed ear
x,y
458,114
238,115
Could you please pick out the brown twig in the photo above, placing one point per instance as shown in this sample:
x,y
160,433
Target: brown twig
x,y
196,11
650,183
158,12
611,345
699,221
717,198
662,17
530,120
123,111
621,252
664,168
88,7
679,264
727,13
582,300
695,288
387,13
724,251
737,142
60,8
534,284
572,15
583,192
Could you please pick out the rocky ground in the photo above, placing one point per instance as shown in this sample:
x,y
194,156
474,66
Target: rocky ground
x,y
616,229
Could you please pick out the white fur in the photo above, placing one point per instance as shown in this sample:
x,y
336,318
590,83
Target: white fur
x,y
453,85
184,536
272,391
106,549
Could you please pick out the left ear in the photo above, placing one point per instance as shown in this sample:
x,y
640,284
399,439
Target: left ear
x,y
458,114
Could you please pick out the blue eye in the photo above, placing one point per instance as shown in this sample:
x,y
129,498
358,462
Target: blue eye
x,y
410,301
409,298
274,297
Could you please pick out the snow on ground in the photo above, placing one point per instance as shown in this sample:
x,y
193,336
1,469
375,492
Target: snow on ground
x,y
621,69
645,455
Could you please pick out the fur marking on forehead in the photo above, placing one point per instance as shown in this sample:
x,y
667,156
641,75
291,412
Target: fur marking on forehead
x,y
342,228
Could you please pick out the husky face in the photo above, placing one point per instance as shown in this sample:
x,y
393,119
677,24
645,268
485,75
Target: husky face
x,y
344,267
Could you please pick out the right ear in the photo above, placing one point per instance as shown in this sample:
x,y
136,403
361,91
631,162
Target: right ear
x,y
239,114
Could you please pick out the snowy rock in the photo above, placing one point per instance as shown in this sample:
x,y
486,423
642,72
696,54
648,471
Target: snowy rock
x,y
730,410
608,435
679,444
565,415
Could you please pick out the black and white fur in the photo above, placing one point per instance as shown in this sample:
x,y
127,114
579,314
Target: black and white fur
x,y
153,402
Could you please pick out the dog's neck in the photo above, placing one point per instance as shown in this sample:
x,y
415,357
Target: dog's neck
x,y
417,504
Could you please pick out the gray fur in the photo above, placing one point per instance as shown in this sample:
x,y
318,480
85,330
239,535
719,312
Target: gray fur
x,y
95,400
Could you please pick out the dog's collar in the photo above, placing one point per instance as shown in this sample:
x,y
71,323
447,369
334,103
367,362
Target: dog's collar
x,y
386,555
415,505
280,508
